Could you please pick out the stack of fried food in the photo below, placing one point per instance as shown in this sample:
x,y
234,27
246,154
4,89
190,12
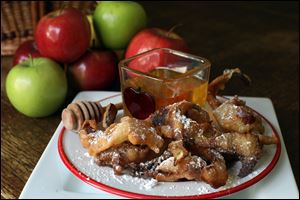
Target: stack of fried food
x,y
183,141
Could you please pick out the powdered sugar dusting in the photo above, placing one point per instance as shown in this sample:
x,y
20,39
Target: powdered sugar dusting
x,y
85,163
94,136
105,175
150,184
143,184
197,162
183,119
87,166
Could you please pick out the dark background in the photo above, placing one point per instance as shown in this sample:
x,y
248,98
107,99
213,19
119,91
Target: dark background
x,y
261,38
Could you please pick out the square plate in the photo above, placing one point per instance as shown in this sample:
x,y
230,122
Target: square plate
x,y
51,179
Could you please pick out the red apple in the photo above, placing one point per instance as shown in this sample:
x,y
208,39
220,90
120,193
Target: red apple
x,y
95,70
25,49
152,38
63,35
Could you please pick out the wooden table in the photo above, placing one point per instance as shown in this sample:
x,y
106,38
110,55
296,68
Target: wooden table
x,y
260,38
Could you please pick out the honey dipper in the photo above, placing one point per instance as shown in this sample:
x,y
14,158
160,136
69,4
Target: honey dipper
x,y
76,113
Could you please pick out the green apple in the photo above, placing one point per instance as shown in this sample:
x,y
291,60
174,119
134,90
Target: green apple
x,y
36,87
116,22
94,40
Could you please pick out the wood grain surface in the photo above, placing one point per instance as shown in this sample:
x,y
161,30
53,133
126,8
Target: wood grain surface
x,y
260,38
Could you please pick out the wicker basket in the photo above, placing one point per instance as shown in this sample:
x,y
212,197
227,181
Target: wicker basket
x,y
19,19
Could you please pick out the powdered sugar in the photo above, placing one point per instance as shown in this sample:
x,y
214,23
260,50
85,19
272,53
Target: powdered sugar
x,y
150,184
85,163
183,119
94,136
167,164
142,183
197,162
106,174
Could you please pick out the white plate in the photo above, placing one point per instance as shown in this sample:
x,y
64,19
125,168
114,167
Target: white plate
x,y
78,161
50,178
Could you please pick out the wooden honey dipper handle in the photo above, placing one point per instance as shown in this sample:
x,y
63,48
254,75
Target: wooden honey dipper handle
x,y
76,113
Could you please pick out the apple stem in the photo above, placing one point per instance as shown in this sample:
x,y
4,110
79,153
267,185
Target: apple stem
x,y
30,60
173,28
63,6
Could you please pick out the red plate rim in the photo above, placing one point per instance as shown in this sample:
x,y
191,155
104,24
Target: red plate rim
x,y
128,194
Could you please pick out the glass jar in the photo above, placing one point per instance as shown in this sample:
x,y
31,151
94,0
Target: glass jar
x,y
160,77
